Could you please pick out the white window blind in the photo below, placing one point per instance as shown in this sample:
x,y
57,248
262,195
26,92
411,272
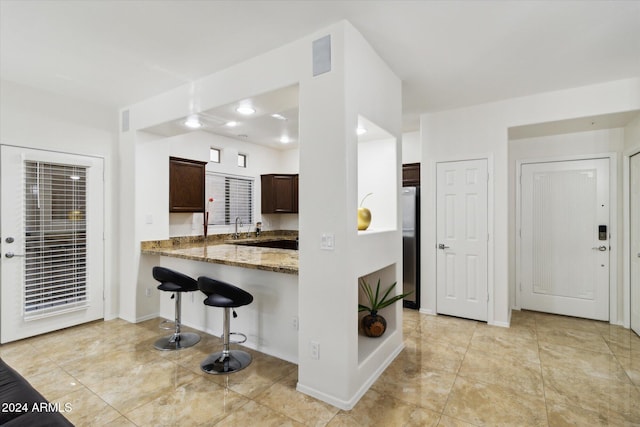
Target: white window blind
x,y
55,274
233,198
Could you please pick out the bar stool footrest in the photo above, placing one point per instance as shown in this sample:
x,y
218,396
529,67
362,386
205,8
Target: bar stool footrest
x,y
239,334
167,328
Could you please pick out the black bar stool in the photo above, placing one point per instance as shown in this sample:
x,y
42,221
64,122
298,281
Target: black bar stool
x,y
221,294
172,281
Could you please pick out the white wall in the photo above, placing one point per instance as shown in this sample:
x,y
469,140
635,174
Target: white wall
x,y
41,120
411,148
482,131
562,146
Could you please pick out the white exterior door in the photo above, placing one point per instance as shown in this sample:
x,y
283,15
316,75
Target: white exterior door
x,y
462,239
565,238
51,226
634,217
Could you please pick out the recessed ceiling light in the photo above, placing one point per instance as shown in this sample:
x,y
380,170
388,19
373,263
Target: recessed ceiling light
x,y
231,124
361,130
285,139
193,122
278,116
246,110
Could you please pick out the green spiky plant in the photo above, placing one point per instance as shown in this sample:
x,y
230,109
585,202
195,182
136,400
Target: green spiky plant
x,y
377,302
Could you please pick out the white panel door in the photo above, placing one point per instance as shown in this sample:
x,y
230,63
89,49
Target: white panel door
x,y
462,239
634,216
51,226
565,253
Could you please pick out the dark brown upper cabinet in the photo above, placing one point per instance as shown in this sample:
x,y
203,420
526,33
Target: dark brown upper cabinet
x,y
279,193
410,174
186,185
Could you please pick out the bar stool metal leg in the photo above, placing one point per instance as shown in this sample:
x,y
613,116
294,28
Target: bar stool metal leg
x,y
226,361
178,340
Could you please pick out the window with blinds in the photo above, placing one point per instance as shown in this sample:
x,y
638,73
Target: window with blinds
x,y
55,268
233,198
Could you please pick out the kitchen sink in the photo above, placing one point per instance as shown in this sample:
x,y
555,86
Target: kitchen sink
x,y
277,244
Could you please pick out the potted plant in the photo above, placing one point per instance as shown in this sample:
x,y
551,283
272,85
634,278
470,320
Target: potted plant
x,y
373,324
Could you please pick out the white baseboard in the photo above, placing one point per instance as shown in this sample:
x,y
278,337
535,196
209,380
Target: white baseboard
x,y
347,405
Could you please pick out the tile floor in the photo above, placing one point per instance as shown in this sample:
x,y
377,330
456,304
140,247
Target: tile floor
x,y
544,370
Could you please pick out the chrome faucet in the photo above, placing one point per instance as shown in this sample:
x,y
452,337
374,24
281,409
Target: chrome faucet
x,y
238,220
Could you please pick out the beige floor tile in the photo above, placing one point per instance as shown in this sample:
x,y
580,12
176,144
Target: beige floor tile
x,y
591,393
96,369
120,422
54,383
632,368
197,402
263,372
380,409
253,414
561,415
285,399
501,370
489,405
446,421
87,409
522,332
409,383
574,361
435,355
550,322
452,372
27,359
149,381
590,341
513,346
442,328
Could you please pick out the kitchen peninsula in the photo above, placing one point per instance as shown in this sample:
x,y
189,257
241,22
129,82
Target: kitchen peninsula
x,y
222,249
269,274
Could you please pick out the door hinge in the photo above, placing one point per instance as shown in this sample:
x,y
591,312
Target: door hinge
x,y
487,297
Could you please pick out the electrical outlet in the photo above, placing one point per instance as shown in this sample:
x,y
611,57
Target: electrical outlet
x,y
147,292
294,322
314,348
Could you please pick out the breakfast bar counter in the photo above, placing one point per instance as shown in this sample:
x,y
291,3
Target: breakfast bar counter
x,y
240,253
269,274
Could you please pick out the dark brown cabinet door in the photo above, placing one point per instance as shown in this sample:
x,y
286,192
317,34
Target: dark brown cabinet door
x,y
410,174
186,185
279,193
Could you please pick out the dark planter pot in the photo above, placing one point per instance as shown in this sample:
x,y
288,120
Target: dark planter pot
x,y
373,325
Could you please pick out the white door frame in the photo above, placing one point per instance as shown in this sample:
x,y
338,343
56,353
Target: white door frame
x,y
626,220
490,231
613,223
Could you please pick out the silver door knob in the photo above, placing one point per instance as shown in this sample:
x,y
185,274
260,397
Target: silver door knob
x,y
600,248
442,246
11,255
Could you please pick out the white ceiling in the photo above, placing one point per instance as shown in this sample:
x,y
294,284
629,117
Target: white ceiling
x,y
447,53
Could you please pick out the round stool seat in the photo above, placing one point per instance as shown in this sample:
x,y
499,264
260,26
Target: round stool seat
x,y
174,281
227,296
221,294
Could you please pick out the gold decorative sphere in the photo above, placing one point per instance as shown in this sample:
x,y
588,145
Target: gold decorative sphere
x,y
364,218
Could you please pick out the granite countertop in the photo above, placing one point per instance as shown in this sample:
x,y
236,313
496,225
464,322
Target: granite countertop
x,y
222,249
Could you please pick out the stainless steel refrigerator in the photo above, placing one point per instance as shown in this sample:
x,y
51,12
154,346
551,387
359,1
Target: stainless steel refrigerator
x,y
411,245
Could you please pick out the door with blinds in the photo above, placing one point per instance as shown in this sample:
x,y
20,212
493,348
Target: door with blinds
x,y
51,230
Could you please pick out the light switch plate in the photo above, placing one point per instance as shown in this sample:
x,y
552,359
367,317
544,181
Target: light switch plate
x,y
327,241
